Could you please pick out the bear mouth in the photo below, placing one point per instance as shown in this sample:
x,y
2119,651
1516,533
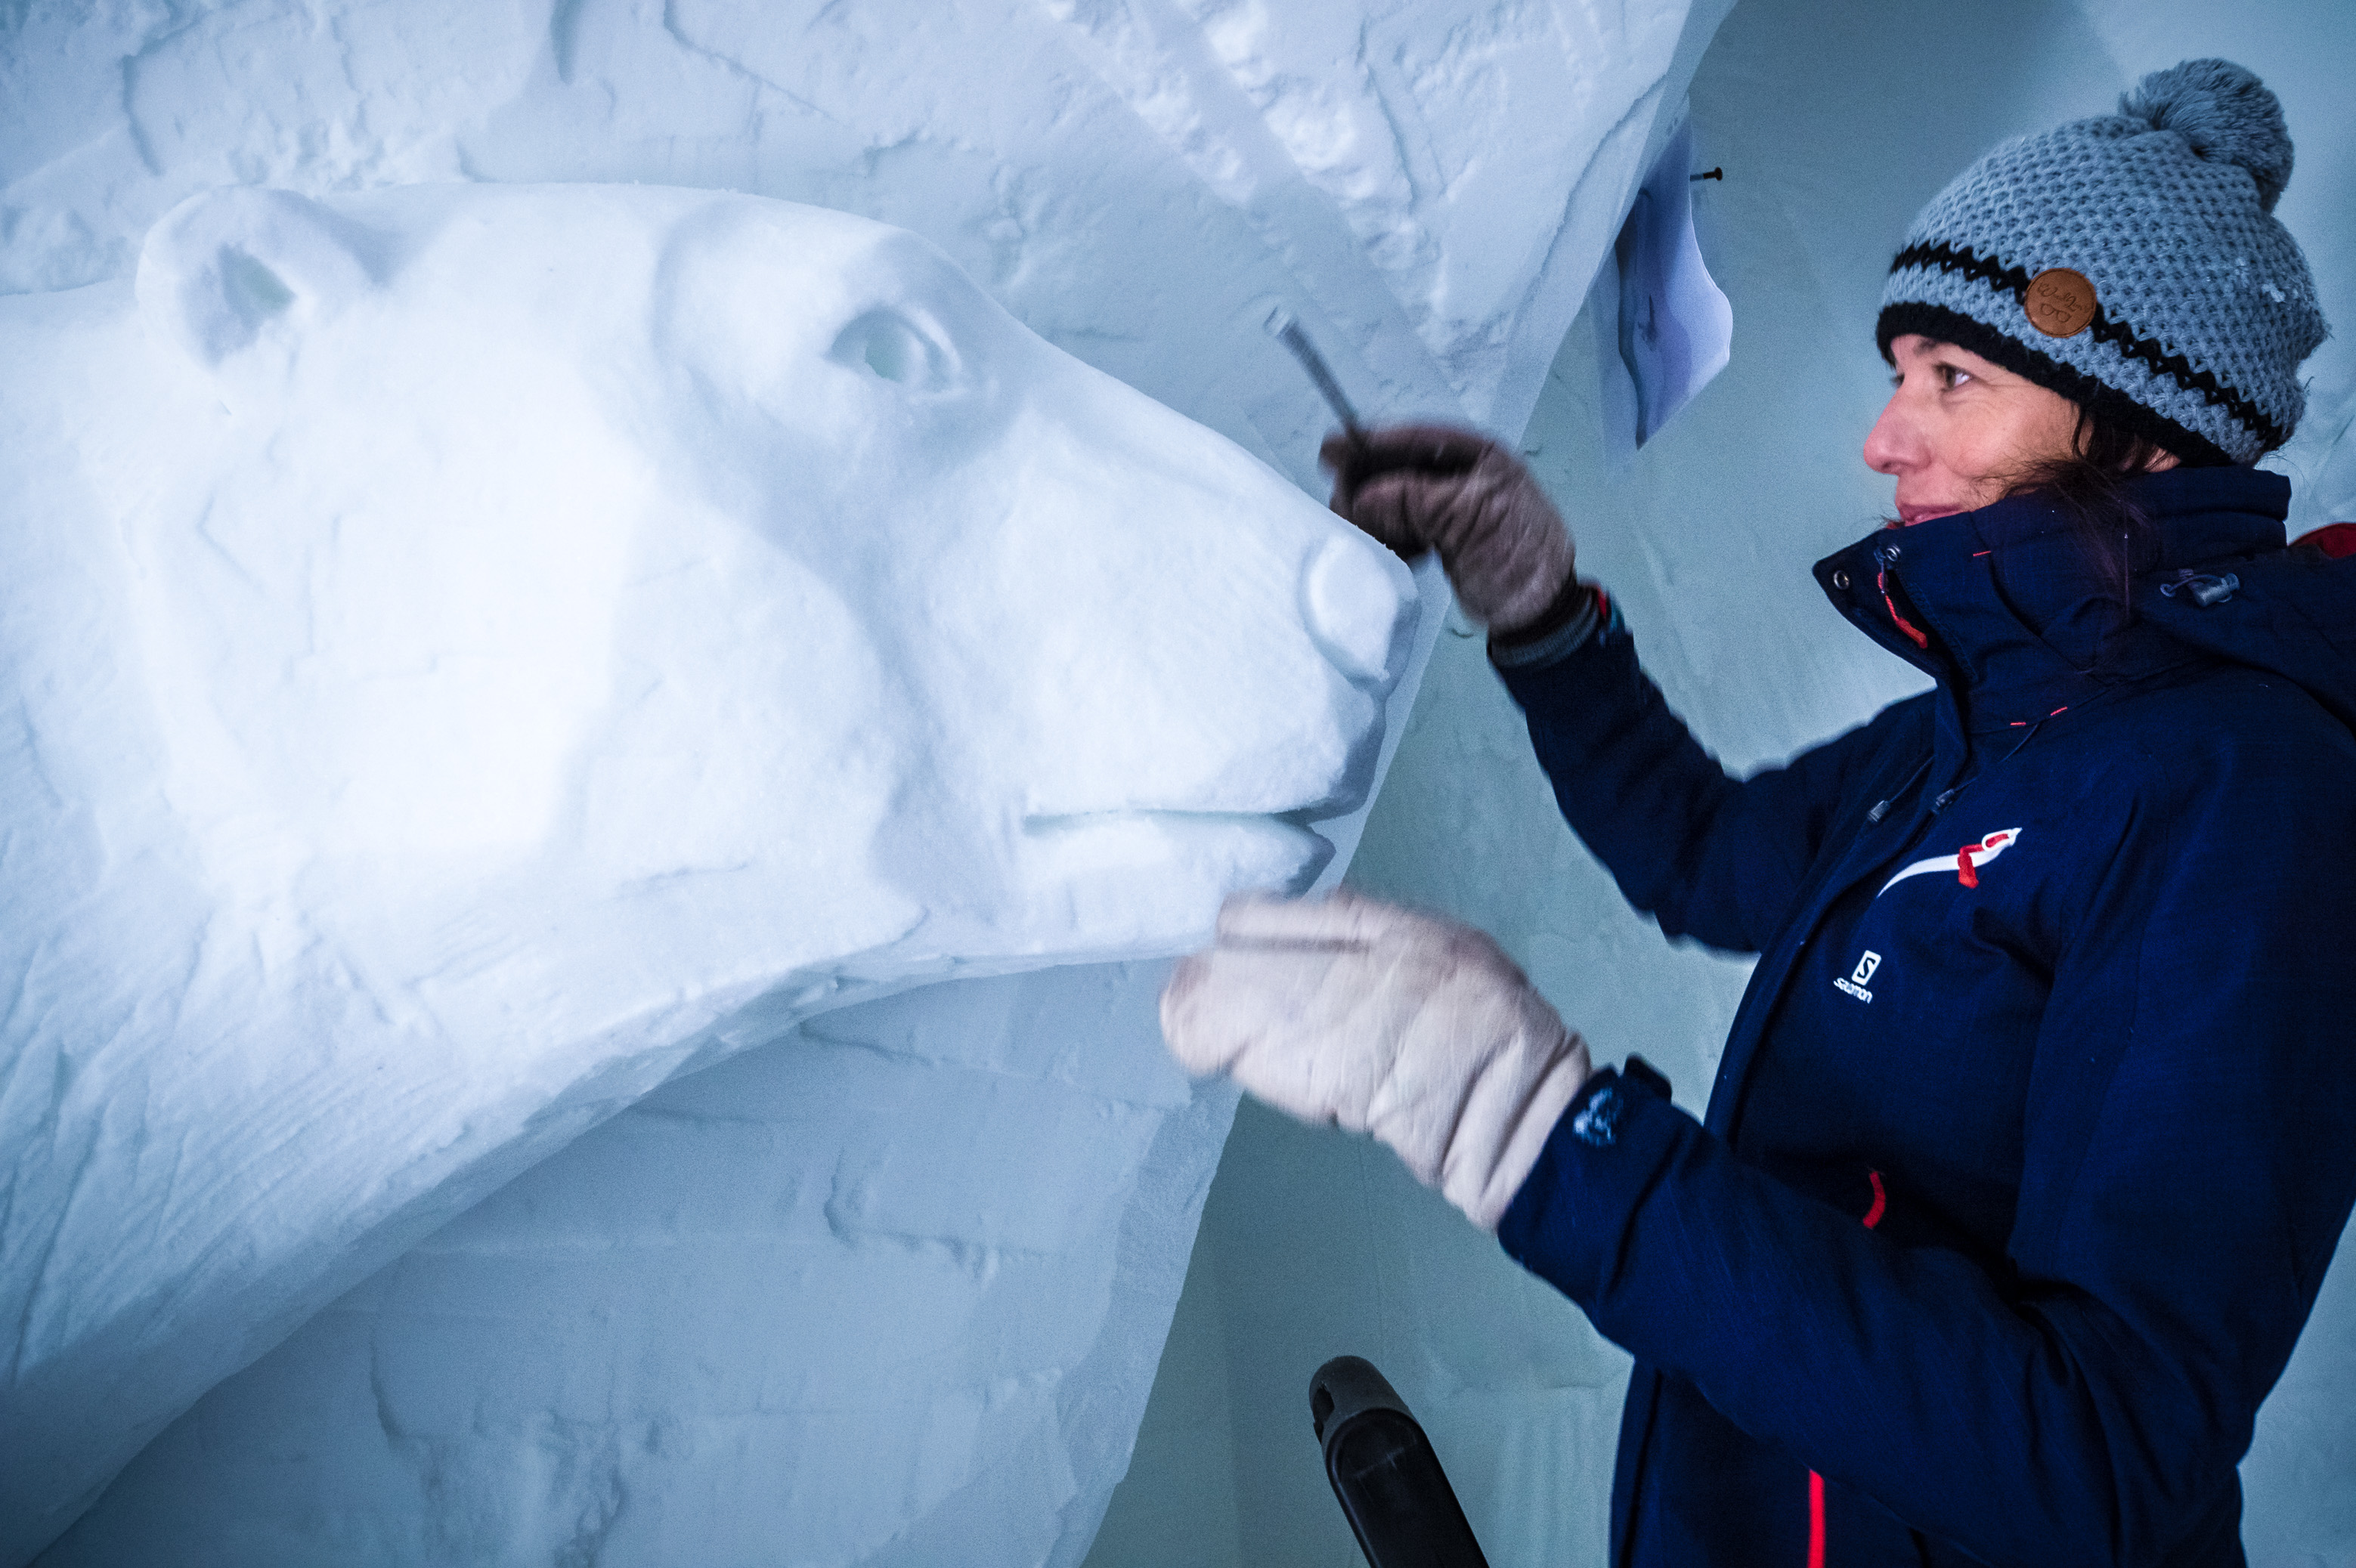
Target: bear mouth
x,y
1239,849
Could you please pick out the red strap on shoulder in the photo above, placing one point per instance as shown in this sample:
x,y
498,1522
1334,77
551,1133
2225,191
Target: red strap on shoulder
x,y
2333,540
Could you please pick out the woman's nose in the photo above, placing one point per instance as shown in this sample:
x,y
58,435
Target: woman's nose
x,y
1890,444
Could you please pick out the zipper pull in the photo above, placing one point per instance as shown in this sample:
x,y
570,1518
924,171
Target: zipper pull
x,y
2205,589
1881,807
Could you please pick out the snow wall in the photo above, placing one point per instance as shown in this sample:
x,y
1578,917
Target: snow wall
x,y
1834,121
884,1284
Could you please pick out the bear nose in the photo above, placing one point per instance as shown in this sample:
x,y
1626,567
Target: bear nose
x,y
1351,600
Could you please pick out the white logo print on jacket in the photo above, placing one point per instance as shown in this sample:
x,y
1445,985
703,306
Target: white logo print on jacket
x,y
1964,862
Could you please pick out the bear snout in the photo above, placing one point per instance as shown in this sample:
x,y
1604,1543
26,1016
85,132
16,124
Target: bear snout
x,y
1357,603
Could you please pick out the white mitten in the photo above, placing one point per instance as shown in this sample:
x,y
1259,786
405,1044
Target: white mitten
x,y
1413,1027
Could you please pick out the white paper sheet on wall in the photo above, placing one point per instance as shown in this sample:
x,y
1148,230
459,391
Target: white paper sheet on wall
x,y
1676,328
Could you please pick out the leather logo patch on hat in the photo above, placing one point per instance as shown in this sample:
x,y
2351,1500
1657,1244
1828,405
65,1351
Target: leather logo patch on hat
x,y
2060,302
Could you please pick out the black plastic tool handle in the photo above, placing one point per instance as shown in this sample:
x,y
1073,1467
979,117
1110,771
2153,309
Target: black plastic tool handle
x,y
1389,1482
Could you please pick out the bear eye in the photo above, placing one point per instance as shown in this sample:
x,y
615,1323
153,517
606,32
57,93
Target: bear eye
x,y
892,346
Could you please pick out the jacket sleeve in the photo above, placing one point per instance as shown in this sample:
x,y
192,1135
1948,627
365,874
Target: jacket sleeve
x,y
2189,1164
1706,854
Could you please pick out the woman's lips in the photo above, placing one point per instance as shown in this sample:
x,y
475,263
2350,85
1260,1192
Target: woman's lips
x,y
1910,515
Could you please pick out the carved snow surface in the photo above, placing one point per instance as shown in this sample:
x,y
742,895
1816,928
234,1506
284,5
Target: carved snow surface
x,y
890,1290
472,653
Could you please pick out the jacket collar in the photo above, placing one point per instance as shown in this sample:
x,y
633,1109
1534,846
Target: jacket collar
x,y
2008,608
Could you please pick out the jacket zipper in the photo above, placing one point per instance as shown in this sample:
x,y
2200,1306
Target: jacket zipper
x,y
1816,1482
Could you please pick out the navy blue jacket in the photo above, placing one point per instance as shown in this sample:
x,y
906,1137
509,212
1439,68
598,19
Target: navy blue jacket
x,y
2037,1126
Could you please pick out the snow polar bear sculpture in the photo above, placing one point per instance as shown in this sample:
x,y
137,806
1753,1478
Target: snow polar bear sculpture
x,y
474,652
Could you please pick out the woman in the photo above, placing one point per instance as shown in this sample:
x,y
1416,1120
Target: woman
x,y
2037,1128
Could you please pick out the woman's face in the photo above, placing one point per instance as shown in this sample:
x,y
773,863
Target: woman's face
x,y
1958,429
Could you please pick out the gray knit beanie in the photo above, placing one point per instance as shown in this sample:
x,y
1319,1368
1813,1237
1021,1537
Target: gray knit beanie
x,y
2131,262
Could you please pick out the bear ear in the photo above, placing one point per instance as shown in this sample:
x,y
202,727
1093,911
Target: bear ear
x,y
223,268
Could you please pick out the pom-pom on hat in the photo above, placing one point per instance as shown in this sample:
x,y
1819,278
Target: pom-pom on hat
x,y
2131,262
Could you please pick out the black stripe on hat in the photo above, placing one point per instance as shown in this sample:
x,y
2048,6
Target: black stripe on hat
x,y
2106,402
2015,280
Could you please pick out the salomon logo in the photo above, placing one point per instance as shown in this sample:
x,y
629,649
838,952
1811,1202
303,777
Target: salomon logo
x,y
1861,976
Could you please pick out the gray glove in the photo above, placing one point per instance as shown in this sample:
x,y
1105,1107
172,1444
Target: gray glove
x,y
1419,488
1380,1019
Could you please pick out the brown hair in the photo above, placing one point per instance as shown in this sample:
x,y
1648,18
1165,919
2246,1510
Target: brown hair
x,y
2090,490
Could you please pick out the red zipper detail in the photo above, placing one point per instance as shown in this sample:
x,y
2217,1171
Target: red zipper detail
x,y
1881,580
1816,1481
